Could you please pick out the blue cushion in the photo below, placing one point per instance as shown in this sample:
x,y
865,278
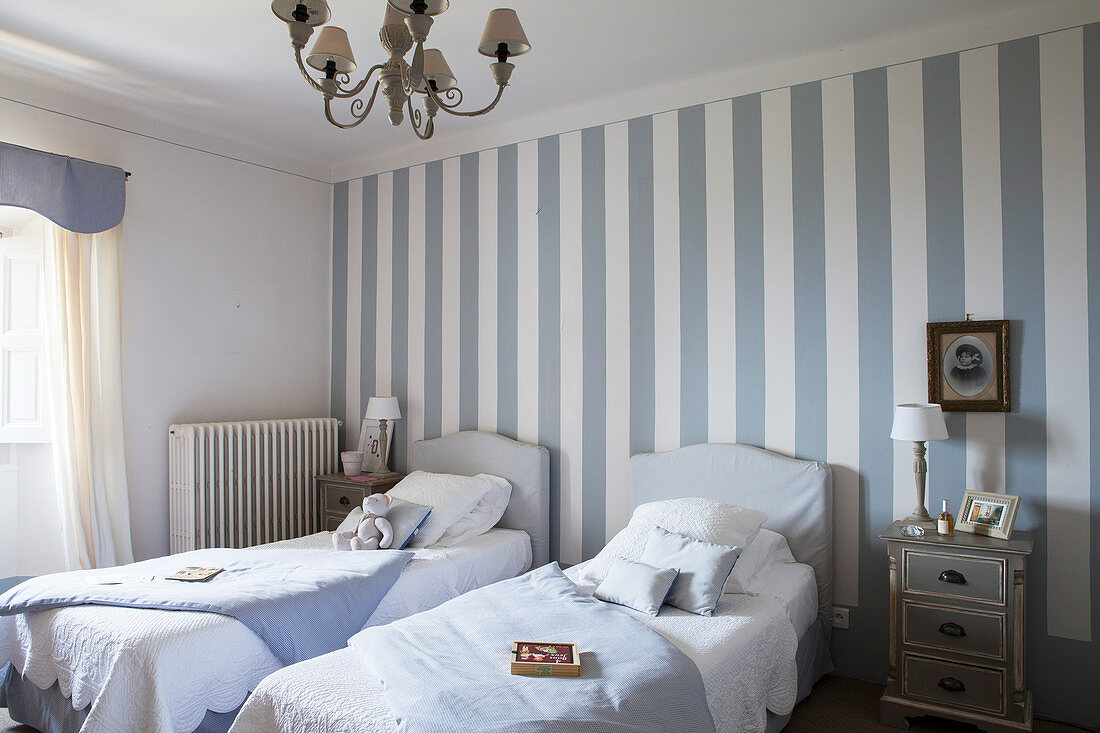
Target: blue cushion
x,y
704,568
636,585
407,519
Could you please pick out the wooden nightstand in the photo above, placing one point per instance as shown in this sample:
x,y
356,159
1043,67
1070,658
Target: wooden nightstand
x,y
340,494
957,629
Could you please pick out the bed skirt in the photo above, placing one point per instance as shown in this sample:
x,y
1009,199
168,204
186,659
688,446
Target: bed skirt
x,y
814,662
50,711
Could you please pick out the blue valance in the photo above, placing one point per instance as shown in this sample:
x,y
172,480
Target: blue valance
x,y
74,194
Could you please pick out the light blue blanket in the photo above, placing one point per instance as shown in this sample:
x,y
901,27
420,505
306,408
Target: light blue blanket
x,y
302,603
447,669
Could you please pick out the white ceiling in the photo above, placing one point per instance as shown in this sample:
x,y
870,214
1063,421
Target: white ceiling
x,y
221,75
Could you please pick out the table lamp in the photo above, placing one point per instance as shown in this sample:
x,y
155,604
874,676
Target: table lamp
x,y
919,423
382,409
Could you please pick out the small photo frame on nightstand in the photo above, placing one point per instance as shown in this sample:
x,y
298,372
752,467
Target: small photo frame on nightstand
x,y
987,514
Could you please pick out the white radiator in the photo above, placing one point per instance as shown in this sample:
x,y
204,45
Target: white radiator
x,y
238,484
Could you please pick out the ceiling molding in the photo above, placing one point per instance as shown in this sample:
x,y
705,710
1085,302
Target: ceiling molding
x,y
874,53
69,59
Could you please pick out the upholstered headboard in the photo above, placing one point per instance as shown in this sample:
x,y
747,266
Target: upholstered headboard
x,y
796,495
526,466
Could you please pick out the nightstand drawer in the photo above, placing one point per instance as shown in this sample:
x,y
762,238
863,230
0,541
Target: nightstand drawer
x,y
953,576
955,685
332,521
970,632
341,500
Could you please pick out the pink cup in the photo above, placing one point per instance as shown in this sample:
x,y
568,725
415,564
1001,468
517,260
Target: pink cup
x,y
353,462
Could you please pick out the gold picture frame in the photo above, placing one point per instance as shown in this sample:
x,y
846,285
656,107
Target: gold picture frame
x,y
968,366
987,514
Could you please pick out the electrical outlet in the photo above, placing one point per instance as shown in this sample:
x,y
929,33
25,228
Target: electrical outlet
x,y
840,617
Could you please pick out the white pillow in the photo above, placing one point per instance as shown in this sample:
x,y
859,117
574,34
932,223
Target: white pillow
x,y
700,519
484,516
451,498
768,549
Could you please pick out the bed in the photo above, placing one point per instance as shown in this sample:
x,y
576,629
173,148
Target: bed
x,y
757,654
108,668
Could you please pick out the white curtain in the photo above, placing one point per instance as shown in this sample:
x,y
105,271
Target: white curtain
x,y
85,385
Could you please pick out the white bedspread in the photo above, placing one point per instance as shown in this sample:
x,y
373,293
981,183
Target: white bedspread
x,y
161,670
745,653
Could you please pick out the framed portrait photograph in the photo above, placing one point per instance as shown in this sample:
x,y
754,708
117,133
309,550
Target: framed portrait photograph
x,y
968,366
987,514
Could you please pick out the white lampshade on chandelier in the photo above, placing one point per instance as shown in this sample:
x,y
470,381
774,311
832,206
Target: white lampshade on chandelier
x,y
428,76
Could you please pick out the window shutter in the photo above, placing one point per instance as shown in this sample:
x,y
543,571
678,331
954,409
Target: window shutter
x,y
23,408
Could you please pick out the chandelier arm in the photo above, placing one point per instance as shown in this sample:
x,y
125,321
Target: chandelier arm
x,y
359,111
416,119
450,108
352,91
305,74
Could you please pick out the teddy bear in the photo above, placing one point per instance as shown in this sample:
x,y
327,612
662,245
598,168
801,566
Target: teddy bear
x,y
373,532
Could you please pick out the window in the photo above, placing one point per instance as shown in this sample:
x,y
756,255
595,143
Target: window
x,y
23,407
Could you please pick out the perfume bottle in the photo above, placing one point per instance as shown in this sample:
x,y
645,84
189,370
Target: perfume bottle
x,y
945,523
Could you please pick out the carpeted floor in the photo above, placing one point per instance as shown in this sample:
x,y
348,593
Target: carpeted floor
x,y
6,726
836,704
844,704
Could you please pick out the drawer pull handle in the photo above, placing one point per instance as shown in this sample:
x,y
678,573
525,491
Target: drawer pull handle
x,y
953,576
952,629
952,685
345,500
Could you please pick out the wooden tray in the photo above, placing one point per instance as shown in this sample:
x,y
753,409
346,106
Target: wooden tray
x,y
545,659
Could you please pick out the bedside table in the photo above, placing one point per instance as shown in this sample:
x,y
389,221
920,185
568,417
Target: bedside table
x,y
340,494
957,629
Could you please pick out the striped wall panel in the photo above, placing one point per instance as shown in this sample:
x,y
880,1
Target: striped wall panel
x,y
761,270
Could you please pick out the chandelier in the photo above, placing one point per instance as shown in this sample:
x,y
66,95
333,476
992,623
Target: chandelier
x,y
406,24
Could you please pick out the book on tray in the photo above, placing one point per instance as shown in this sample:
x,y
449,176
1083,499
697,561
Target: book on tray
x,y
545,659
194,574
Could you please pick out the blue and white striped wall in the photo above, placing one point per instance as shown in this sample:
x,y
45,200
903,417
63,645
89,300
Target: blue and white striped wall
x,y
761,270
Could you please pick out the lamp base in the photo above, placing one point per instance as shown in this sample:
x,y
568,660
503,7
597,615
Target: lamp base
x,y
383,470
920,515
382,474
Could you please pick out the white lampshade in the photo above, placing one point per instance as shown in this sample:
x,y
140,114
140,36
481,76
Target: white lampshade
x,y
437,70
317,11
503,26
332,44
918,422
393,17
383,408
435,7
